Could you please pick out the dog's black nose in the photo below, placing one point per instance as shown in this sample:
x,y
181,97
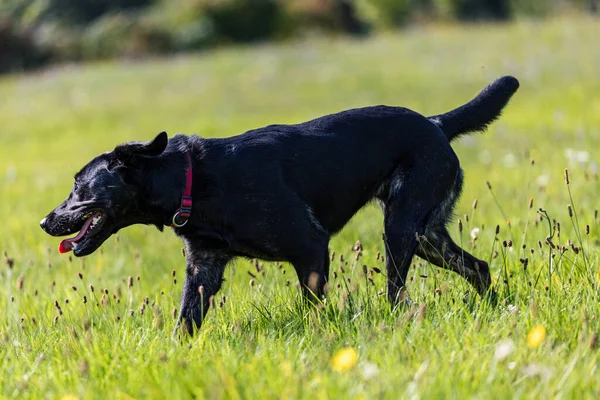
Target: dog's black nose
x,y
43,223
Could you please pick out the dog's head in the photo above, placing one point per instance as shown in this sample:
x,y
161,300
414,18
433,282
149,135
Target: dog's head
x,y
107,196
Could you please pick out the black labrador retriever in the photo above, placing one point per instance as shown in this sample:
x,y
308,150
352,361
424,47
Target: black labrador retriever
x,y
280,192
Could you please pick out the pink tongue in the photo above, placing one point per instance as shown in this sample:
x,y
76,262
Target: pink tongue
x,y
67,244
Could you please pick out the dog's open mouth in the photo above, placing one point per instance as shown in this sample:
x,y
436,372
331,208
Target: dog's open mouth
x,y
92,225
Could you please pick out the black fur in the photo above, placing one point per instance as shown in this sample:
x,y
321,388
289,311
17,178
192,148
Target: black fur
x,y
280,192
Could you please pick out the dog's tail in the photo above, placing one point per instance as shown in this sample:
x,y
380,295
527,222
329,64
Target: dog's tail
x,y
476,115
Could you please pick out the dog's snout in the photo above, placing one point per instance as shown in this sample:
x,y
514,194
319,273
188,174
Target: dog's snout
x,y
43,222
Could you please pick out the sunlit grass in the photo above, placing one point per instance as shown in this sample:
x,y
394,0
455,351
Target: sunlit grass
x,y
78,327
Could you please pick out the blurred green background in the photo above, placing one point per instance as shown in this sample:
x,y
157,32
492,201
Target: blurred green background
x,y
39,32
259,342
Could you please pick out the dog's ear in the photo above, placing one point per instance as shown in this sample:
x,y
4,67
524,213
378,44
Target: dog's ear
x,y
143,149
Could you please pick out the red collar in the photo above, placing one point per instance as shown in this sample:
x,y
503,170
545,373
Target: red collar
x,y
182,215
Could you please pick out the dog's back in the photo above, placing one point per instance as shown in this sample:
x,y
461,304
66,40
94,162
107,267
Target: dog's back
x,y
339,162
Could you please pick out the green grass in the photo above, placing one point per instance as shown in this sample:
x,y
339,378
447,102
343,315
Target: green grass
x,y
262,343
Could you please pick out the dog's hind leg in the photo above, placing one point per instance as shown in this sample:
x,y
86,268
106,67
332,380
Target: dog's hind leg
x,y
437,247
410,201
204,276
403,222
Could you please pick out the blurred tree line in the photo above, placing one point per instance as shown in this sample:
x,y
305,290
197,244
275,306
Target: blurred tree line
x,y
37,32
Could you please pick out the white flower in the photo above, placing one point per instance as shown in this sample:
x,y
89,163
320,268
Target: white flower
x,y
543,180
580,156
509,160
504,349
369,370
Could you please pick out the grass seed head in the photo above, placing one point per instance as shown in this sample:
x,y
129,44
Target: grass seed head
x,y
566,176
10,262
593,345
84,368
129,282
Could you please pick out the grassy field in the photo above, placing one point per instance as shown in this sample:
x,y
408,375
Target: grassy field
x,y
260,342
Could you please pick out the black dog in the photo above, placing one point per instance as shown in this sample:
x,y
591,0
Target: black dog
x,y
280,192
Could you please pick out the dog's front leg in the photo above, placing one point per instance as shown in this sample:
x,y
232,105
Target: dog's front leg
x,y
204,276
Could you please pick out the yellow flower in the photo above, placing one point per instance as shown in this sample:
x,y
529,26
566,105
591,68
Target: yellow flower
x,y
69,397
536,336
286,368
344,359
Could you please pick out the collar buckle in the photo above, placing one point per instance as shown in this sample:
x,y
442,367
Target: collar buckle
x,y
182,215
